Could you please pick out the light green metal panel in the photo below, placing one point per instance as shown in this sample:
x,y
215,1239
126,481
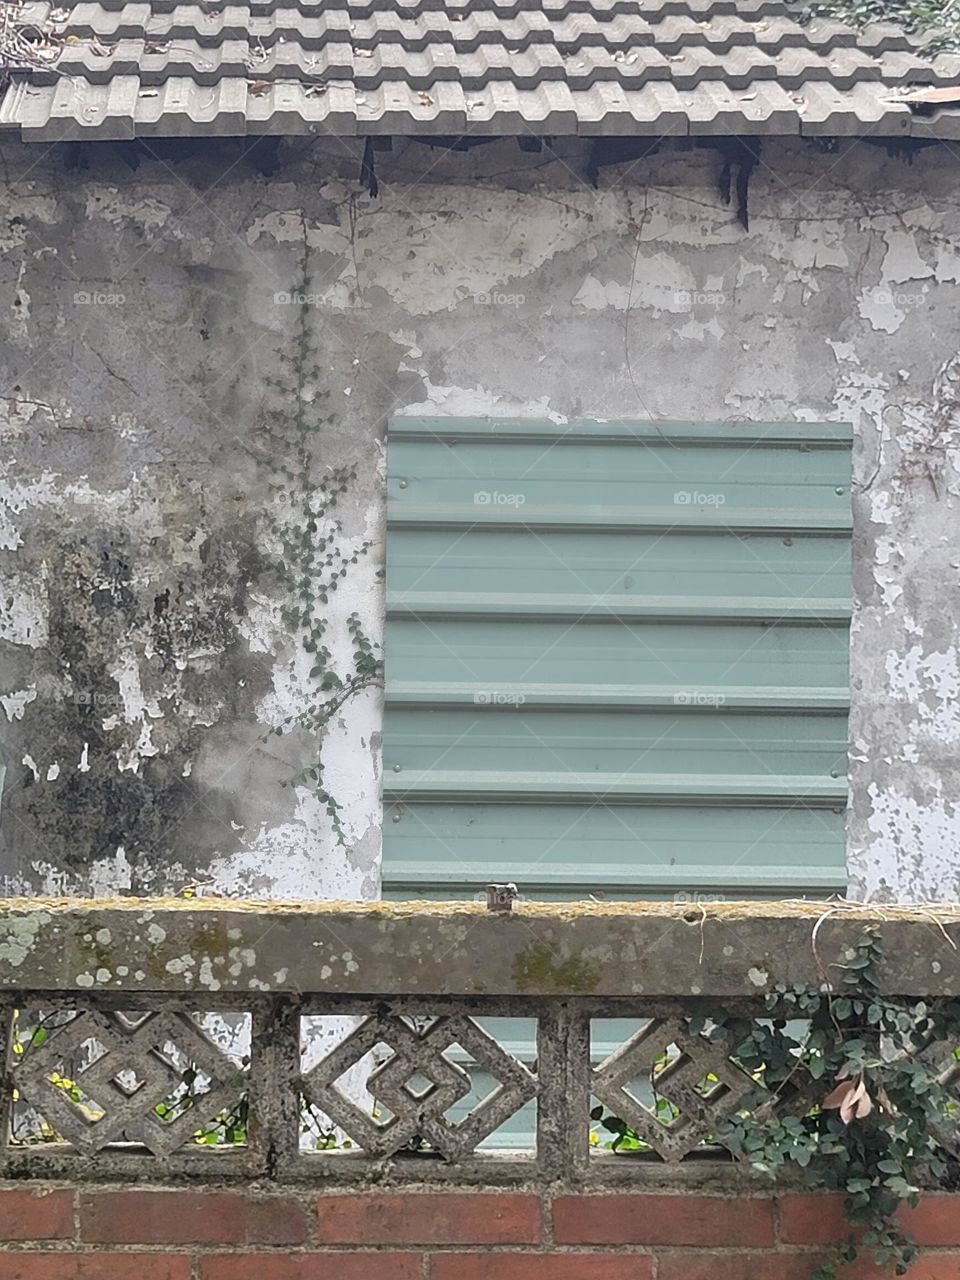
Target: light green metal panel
x,y
616,657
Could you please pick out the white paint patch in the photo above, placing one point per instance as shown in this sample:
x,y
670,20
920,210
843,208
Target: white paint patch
x,y
947,269
888,569
595,295
108,876
843,351
20,203
877,306
902,260
663,284
288,227
114,206
126,672
290,860
477,402
15,703
930,682
913,849
407,338
17,496
694,331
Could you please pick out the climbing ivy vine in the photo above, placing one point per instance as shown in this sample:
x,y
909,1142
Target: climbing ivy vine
x,y
312,561
846,1096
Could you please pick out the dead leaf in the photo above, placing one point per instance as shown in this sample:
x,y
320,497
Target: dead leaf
x,y
257,88
837,1096
315,90
364,53
425,98
155,46
848,1107
856,1102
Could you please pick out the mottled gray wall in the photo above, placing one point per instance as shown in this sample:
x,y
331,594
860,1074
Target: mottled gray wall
x,y
143,651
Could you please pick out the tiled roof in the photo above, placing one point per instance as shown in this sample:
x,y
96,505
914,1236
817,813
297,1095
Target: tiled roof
x,y
551,67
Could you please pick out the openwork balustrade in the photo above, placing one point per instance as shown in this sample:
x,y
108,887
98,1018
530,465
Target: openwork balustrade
x,y
219,1040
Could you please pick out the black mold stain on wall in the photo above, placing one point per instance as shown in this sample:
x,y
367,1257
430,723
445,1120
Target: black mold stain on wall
x,y
170,612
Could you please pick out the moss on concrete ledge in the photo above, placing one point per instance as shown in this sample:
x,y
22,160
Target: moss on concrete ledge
x,y
460,949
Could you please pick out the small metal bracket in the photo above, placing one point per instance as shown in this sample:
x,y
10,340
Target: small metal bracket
x,y
501,897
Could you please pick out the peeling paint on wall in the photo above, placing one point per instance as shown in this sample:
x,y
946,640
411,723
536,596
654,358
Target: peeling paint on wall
x,y
144,658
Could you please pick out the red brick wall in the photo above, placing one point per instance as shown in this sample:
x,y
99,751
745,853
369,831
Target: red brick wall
x,y
57,1233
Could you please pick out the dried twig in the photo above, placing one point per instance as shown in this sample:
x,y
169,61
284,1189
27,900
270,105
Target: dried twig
x,y
23,45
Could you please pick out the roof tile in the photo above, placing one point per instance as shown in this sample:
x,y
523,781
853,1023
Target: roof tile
x,y
451,66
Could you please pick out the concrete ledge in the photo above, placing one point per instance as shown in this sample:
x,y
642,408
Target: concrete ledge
x,y
461,949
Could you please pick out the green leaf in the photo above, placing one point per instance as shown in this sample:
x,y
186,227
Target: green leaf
x,y
613,1125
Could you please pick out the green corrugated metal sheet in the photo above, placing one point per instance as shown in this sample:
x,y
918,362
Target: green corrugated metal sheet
x,y
616,657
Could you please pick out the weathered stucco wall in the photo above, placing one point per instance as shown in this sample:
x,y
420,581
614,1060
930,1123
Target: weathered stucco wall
x,y
144,654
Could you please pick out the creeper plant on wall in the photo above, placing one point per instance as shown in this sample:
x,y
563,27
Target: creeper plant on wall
x,y
870,1111
313,558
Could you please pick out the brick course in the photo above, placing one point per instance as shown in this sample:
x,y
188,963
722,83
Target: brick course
x,y
653,1219
427,1218
312,1266
59,1233
187,1217
36,1215
524,1266
96,1266
816,1219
